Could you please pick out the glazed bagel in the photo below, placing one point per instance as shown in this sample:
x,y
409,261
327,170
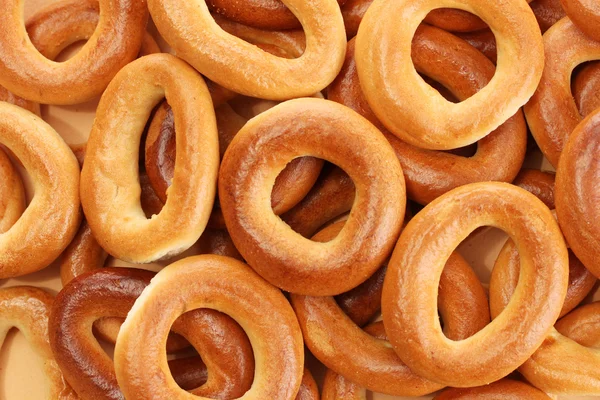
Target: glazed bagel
x,y
552,113
27,309
577,191
110,191
464,71
410,289
115,42
12,194
586,87
336,134
538,183
418,114
331,196
111,292
585,14
50,221
263,14
507,267
198,39
329,332
505,389
291,186
225,285
560,365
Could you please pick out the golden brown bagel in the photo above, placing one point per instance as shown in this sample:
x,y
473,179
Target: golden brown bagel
x,y
27,309
581,325
552,113
9,97
586,88
111,191
329,332
111,292
417,113
484,41
409,301
547,12
50,221
198,39
577,192
463,70
504,389
337,134
12,194
585,14
225,285
116,42
263,14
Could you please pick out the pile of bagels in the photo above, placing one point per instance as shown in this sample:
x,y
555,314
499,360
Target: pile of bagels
x,y
306,170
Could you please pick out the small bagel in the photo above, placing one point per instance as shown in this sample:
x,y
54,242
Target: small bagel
x,y
28,309
463,70
585,14
538,183
577,190
329,333
552,113
225,285
111,191
505,389
409,301
417,113
581,325
327,130
191,31
50,221
111,292
116,42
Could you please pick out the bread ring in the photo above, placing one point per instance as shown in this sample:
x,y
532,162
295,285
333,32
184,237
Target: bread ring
x,y
585,14
576,192
110,192
353,12
338,135
538,183
223,284
331,196
507,267
308,388
463,70
552,113
27,309
453,20
502,389
28,245
511,337
586,87
196,37
112,292
115,43
329,333
12,194
263,14
362,303
547,13
560,365
404,103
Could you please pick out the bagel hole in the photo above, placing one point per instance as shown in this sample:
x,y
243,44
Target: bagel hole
x,y
20,366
